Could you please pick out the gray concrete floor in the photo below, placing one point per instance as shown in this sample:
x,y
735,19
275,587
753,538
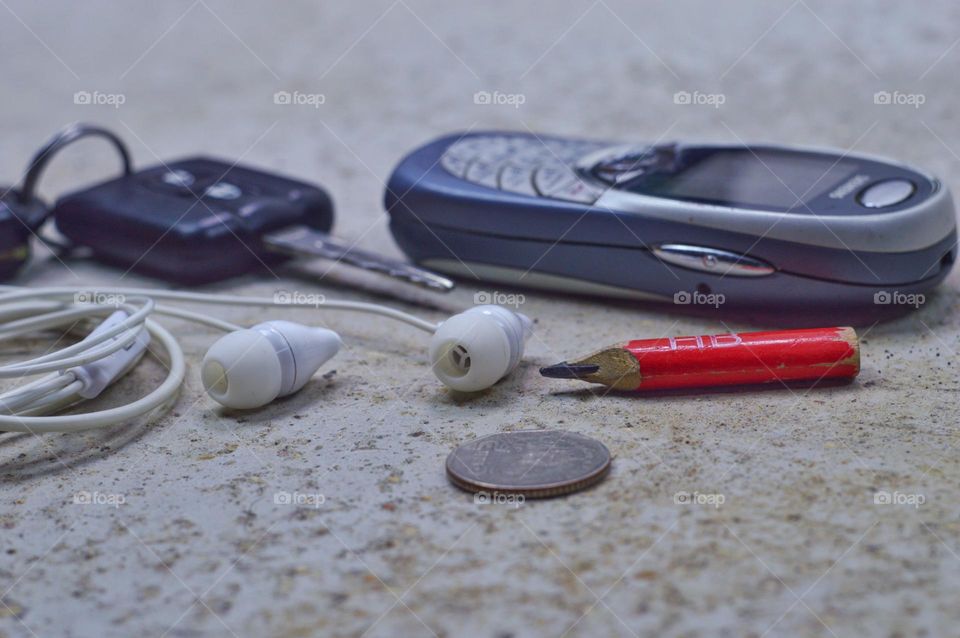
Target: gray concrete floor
x,y
200,546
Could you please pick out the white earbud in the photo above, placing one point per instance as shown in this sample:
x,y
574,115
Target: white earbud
x,y
250,368
474,349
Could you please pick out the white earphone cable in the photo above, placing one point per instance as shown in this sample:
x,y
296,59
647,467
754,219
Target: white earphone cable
x,y
28,407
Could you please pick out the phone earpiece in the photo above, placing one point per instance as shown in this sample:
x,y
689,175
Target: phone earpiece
x,y
250,368
474,349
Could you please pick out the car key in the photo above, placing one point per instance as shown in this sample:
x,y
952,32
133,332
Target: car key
x,y
303,241
200,220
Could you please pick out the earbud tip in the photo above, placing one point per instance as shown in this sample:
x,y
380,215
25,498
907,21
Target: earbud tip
x,y
241,370
470,352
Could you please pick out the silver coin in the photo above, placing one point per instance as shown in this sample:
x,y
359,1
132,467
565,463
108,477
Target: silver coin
x,y
535,463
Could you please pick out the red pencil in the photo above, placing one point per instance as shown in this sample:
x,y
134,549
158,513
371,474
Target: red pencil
x,y
725,359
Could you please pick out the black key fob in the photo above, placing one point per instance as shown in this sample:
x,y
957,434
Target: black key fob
x,y
190,222
19,221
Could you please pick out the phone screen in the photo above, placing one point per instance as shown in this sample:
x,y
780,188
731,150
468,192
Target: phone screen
x,y
762,178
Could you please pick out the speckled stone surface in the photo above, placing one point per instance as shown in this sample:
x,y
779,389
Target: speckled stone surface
x,y
189,533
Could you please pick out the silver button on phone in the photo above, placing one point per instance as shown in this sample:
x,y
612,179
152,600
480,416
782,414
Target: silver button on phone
x,y
886,193
719,262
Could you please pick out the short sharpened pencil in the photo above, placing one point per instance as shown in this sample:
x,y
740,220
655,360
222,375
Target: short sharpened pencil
x,y
716,360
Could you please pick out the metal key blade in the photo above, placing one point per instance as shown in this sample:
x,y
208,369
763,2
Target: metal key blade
x,y
303,241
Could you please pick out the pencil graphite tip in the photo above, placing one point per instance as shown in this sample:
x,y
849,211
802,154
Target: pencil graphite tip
x,y
566,370
614,367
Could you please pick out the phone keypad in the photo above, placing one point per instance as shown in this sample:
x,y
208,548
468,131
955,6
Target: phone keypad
x,y
551,178
454,164
516,179
482,172
523,164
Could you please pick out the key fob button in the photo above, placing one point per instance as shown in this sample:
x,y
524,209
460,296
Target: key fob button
x,y
216,218
178,177
223,190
